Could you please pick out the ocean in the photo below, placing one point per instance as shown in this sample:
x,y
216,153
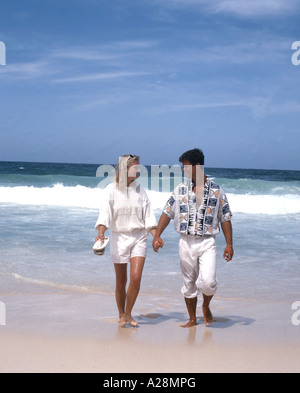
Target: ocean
x,y
47,217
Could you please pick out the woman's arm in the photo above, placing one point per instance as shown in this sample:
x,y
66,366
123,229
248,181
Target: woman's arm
x,y
153,231
105,213
101,232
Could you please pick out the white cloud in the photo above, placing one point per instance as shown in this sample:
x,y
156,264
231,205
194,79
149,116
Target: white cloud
x,y
82,54
100,76
61,61
205,105
254,7
28,70
245,8
109,51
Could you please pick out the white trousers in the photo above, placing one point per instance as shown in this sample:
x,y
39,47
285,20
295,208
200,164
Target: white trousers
x,y
198,261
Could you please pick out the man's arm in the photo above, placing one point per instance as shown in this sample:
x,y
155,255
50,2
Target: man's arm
x,y
162,224
227,231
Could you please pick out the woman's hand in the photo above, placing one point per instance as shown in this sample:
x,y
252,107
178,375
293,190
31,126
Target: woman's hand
x,y
101,233
157,243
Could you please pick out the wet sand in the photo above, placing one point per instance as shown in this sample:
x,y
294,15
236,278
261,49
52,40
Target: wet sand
x,y
76,333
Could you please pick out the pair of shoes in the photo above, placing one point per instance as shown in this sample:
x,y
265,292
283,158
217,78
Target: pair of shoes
x,y
99,246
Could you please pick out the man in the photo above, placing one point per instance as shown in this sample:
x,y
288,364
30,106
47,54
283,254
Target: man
x,y
198,206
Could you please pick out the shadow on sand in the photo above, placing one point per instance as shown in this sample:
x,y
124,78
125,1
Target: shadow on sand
x,y
220,322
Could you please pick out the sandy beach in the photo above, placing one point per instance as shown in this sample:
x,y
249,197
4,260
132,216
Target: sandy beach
x,y
61,314
79,333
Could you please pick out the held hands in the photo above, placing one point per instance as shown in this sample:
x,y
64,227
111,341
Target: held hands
x,y
157,243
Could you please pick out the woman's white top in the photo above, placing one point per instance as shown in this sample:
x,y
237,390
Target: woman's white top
x,y
125,210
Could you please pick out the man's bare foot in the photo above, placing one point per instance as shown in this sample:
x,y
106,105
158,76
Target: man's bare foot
x,y
191,323
207,315
131,321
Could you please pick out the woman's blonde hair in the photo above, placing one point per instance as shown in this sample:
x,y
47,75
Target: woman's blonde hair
x,y
121,169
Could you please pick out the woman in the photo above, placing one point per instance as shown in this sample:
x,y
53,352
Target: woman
x,y
125,210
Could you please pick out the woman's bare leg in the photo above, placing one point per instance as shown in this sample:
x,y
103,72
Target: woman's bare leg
x,y
120,290
136,270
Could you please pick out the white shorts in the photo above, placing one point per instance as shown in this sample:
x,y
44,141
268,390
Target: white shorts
x,y
198,261
124,246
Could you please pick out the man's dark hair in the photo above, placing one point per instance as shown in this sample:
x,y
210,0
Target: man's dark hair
x,y
194,156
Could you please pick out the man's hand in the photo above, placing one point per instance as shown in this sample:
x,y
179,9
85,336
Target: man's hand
x,y
228,253
162,224
227,230
157,243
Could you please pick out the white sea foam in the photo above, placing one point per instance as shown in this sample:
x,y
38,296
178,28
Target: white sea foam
x,y
44,283
264,204
81,196
58,195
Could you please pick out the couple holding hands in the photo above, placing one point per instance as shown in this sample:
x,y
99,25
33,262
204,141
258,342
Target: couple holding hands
x,y
198,206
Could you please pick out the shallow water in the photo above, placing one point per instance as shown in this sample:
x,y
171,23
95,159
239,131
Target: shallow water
x,y
48,213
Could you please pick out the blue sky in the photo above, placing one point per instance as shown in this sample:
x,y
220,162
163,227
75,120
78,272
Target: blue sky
x,y
89,80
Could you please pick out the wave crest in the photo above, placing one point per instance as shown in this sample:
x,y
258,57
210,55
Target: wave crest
x,y
85,197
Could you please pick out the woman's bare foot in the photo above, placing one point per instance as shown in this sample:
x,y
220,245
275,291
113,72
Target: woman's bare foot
x,y
131,321
192,322
207,315
122,321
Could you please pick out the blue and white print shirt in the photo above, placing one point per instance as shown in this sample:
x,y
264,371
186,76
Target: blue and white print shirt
x,y
214,209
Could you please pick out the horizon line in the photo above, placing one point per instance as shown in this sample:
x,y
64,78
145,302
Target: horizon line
x,y
97,164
